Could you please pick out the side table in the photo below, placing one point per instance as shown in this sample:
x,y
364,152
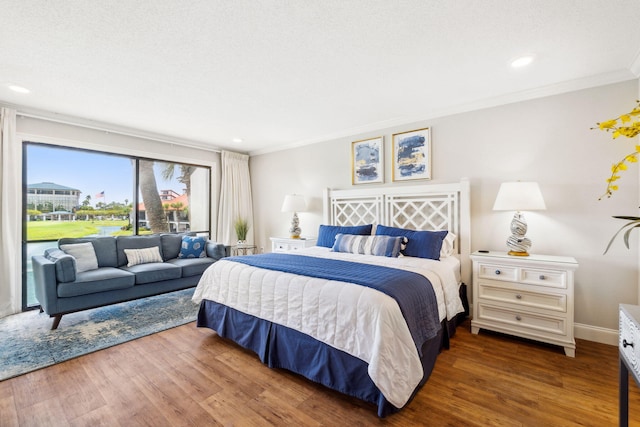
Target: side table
x,y
628,353
243,250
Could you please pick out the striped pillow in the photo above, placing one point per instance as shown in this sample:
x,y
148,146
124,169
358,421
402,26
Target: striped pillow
x,y
142,256
389,246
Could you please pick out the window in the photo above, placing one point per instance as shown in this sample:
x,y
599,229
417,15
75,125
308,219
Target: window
x,y
70,192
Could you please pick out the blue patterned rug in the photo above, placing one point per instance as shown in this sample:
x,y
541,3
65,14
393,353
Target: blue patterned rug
x,y
27,342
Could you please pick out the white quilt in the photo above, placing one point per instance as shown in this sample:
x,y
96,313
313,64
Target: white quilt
x,y
356,319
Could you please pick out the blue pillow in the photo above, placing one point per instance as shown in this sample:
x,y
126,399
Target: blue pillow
x,y
327,233
388,246
193,247
422,244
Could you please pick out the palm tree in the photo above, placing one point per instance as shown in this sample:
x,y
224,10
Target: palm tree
x,y
177,207
185,178
87,201
151,199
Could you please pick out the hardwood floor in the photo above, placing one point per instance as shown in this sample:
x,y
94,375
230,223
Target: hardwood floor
x,y
190,376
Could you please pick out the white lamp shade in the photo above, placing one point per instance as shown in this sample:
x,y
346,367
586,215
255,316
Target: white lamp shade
x,y
294,203
519,196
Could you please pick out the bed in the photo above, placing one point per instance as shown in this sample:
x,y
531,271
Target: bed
x,y
366,325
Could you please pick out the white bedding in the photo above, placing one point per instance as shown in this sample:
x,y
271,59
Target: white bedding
x,y
356,319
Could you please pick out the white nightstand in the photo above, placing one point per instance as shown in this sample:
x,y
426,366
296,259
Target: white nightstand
x,y
530,297
286,244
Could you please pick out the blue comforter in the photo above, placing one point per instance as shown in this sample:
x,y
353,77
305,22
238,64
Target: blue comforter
x,y
413,292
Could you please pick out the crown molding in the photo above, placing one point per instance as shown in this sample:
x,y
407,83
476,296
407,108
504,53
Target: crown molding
x,y
105,127
541,92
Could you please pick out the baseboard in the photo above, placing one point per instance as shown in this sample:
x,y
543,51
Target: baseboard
x,y
595,333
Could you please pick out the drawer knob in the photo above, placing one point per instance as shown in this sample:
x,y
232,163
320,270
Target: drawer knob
x,y
542,277
518,296
518,318
626,344
498,272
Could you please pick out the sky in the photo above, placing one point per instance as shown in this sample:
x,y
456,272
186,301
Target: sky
x,y
89,172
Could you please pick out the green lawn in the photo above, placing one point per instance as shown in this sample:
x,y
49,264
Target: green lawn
x,y
54,230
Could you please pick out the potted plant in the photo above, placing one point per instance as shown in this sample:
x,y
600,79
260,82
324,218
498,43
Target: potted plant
x,y
242,227
627,125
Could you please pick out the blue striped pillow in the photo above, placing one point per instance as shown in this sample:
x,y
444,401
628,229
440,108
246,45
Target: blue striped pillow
x,y
388,246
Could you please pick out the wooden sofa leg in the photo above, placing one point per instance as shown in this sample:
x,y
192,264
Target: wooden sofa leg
x,y
56,321
41,309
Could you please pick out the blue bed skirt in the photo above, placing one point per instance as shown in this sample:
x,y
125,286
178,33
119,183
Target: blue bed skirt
x,y
278,346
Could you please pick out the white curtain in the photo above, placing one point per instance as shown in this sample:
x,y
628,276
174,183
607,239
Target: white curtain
x,y
10,207
235,197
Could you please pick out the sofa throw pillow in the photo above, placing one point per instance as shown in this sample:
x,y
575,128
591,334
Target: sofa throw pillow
x,y
421,244
142,256
193,247
388,246
85,255
327,233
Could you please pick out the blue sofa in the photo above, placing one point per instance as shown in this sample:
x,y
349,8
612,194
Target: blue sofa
x,y
61,289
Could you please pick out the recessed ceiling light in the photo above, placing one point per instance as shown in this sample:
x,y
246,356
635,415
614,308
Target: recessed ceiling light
x,y
18,89
237,140
522,61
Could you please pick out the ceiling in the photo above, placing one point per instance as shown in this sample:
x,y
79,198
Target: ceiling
x,y
279,74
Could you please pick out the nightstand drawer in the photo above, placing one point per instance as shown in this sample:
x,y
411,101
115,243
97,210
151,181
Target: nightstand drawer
x,y
498,272
552,278
281,244
522,320
629,341
525,298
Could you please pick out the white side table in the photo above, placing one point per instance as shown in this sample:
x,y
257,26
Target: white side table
x,y
628,353
530,297
287,244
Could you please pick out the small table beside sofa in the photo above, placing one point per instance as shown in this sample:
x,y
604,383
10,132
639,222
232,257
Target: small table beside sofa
x,y
90,272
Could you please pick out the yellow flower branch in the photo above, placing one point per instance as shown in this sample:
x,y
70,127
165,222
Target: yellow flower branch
x,y
625,125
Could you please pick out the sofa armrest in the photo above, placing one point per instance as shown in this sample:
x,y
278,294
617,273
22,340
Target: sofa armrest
x,y
46,285
216,250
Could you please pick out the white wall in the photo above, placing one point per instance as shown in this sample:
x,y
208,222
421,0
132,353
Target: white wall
x,y
546,140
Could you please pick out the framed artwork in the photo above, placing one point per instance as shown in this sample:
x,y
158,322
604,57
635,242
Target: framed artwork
x,y
367,160
412,155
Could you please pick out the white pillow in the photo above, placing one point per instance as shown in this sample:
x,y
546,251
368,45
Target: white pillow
x,y
85,255
447,245
143,256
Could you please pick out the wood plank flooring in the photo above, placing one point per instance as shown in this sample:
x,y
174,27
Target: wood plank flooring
x,y
191,377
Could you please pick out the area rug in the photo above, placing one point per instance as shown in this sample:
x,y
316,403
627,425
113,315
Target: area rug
x,y
27,342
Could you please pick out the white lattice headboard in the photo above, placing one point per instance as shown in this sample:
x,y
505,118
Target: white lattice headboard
x,y
418,207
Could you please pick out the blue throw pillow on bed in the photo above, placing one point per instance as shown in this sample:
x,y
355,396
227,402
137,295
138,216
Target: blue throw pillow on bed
x,y
192,247
388,246
422,244
327,233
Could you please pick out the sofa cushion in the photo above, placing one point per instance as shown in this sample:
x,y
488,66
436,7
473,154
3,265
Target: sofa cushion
x,y
154,272
94,281
170,245
192,266
105,248
134,242
84,254
193,247
143,256
65,264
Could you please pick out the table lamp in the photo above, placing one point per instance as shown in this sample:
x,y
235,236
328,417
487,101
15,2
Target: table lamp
x,y
519,196
294,203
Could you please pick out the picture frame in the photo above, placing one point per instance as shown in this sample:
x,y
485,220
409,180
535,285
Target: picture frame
x,y
411,155
367,161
